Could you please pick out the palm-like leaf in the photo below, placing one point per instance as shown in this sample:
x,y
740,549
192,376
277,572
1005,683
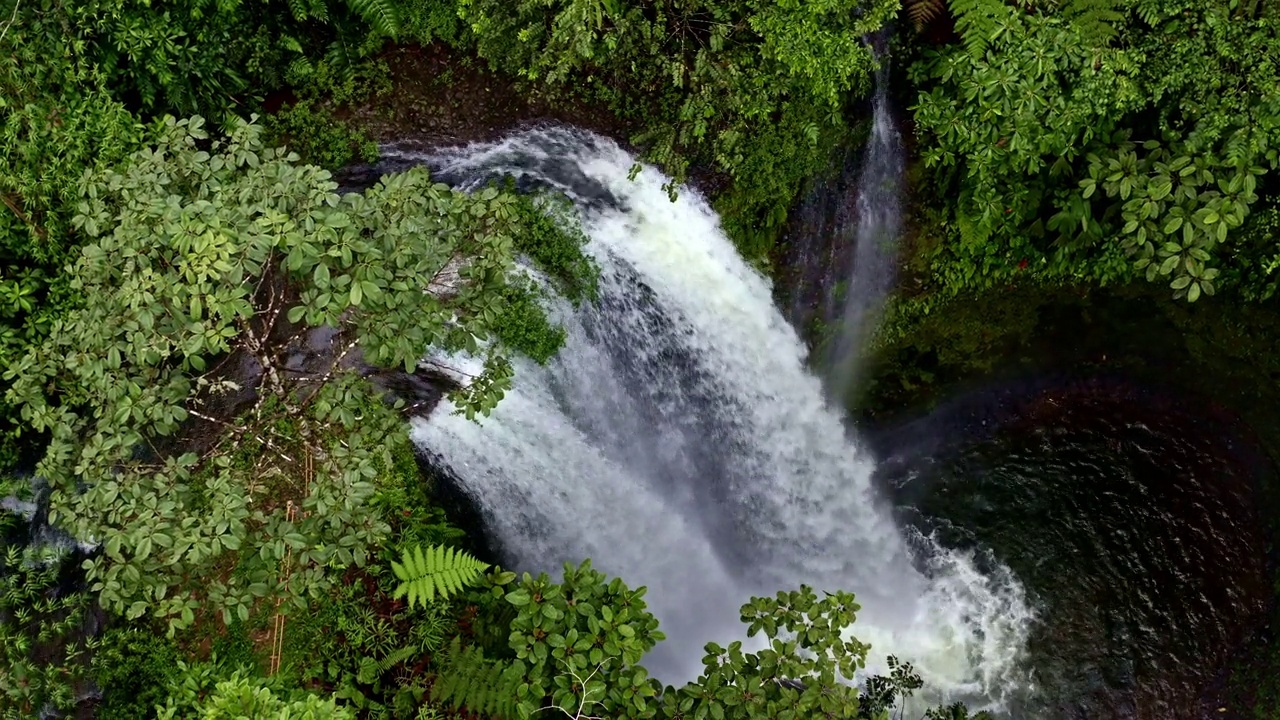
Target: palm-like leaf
x,y
380,14
436,571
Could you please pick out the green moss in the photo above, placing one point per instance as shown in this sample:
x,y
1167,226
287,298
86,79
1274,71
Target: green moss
x,y
926,345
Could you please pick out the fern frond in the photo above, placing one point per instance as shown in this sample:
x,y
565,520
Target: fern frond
x,y
434,572
299,8
470,680
923,12
370,669
342,63
979,21
1095,20
380,14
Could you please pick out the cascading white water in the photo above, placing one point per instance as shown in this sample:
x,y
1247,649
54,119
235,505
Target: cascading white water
x,y
879,213
680,443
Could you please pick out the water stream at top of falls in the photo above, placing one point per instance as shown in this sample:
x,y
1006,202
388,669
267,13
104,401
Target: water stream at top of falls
x,y
679,441
878,209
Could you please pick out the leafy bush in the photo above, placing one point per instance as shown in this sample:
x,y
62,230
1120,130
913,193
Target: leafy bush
x,y
367,648
736,85
319,138
549,233
575,646
1096,143
134,668
201,253
243,697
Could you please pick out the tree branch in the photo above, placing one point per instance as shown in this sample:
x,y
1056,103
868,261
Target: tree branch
x,y
12,20
583,702
11,201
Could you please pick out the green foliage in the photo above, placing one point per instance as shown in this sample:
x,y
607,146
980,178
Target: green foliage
x,y
381,15
1098,21
725,83
467,679
41,658
523,324
772,170
367,648
814,652
575,647
425,21
403,499
310,127
437,571
319,138
240,697
134,668
1093,141
923,12
201,253
550,235
1174,212
1256,255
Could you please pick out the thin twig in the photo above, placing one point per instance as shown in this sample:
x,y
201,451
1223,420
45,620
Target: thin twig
x,y
240,429
12,20
583,702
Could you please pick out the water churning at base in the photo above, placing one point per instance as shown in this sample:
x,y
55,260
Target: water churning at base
x,y
679,441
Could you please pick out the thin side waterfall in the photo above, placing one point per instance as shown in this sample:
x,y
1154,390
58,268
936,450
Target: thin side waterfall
x,y
679,441
879,225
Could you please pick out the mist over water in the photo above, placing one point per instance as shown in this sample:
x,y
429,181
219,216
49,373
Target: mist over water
x,y
679,441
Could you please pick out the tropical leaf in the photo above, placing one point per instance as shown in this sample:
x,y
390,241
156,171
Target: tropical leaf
x,y
1095,20
470,680
380,14
979,22
437,571
923,12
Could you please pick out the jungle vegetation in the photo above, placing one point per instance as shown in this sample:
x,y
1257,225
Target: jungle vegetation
x,y
266,545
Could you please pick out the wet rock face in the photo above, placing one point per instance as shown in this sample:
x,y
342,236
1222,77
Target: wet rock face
x,y
817,249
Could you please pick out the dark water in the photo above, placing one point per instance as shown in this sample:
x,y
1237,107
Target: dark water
x,y
1133,519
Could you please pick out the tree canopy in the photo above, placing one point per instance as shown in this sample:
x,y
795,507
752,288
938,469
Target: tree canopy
x,y
1099,142
190,312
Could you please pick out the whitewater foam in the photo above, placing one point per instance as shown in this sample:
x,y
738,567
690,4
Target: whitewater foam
x,y
679,442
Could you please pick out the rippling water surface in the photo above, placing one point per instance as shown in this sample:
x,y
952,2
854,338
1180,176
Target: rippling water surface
x,y
1134,523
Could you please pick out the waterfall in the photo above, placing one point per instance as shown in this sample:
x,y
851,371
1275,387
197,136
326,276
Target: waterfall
x,y
879,223
680,443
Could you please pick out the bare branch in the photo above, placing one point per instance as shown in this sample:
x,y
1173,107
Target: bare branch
x,y
12,19
242,430
584,701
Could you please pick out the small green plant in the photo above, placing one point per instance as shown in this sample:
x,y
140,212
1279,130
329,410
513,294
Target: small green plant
x,y
436,572
42,660
239,697
134,668
522,323
550,234
320,138
369,649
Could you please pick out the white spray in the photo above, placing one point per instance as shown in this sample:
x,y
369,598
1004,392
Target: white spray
x,y
680,443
